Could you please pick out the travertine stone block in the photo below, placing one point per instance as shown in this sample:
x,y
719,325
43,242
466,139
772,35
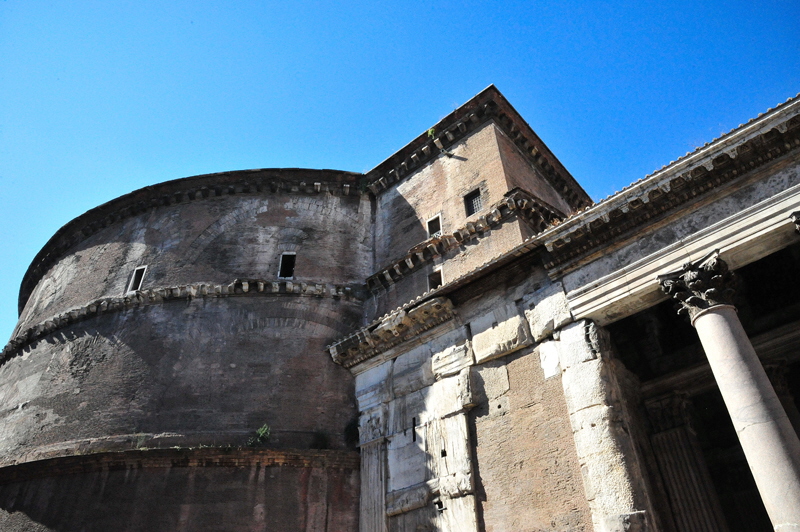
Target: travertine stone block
x,y
407,459
407,499
459,515
499,332
491,381
372,424
448,339
452,360
374,386
548,356
447,443
412,371
546,310
594,430
408,410
447,396
574,345
588,386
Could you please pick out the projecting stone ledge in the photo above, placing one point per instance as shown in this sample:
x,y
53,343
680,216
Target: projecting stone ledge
x,y
390,330
141,298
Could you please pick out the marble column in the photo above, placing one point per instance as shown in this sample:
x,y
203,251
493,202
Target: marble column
x,y
705,291
692,497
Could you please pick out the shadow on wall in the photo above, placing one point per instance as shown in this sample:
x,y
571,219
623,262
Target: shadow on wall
x,y
175,498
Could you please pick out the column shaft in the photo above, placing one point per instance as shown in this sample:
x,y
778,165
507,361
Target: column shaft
x,y
769,442
694,502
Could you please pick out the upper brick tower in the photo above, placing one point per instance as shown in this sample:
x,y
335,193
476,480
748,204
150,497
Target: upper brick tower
x,y
472,187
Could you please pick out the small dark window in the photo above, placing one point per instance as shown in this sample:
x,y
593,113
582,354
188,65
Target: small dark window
x,y
137,278
435,280
472,202
444,453
286,269
434,227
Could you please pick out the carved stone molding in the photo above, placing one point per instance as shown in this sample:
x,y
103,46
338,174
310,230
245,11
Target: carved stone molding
x,y
796,220
179,191
390,330
700,285
710,167
140,298
535,212
488,105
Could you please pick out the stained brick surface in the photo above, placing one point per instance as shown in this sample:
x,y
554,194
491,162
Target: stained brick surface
x,y
172,490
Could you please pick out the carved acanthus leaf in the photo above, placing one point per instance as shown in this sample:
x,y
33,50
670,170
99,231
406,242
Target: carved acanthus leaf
x,y
700,285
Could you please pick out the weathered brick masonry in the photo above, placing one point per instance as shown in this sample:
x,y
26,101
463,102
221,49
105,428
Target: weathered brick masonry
x,y
456,340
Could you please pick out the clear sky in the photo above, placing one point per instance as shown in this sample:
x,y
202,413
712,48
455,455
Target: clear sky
x,y
98,98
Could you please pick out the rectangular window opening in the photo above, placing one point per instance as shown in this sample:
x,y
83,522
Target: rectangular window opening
x,y
286,268
137,278
435,227
435,280
472,202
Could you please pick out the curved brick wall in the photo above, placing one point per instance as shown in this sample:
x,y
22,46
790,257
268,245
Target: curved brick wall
x,y
211,348
170,490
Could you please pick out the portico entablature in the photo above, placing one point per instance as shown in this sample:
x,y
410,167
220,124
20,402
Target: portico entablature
x,y
623,281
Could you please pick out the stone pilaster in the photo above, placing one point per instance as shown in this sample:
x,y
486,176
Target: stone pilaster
x,y
373,487
613,471
372,435
692,497
705,291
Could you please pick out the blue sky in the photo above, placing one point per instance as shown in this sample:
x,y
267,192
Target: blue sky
x,y
98,98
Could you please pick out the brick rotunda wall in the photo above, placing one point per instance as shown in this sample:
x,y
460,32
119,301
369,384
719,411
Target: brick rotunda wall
x,y
212,347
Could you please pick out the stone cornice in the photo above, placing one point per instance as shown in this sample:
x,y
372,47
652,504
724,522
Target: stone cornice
x,y
743,237
488,105
764,139
169,458
390,330
537,213
184,190
108,305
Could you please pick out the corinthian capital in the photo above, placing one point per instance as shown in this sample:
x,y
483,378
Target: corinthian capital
x,y
700,285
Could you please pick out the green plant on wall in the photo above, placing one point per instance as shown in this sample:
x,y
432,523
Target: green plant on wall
x,y
261,437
